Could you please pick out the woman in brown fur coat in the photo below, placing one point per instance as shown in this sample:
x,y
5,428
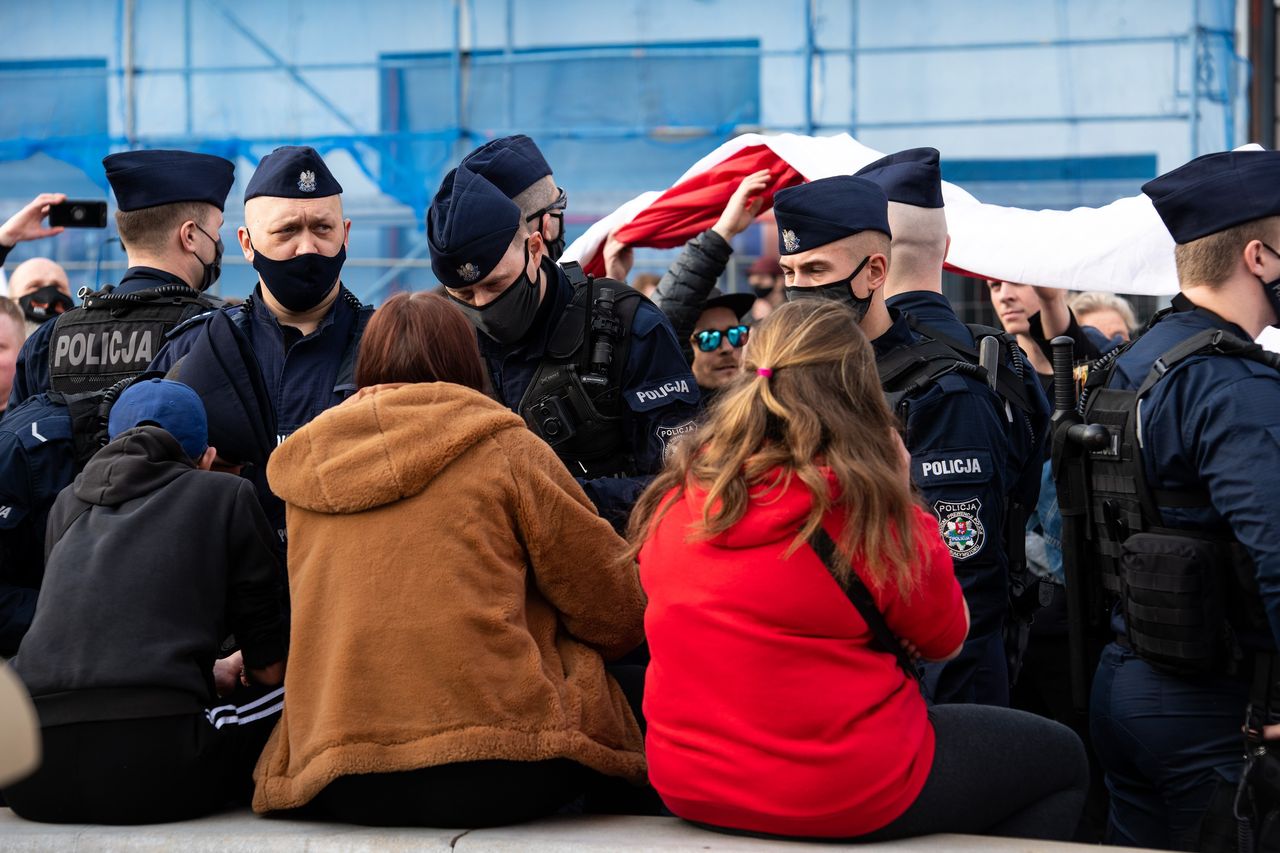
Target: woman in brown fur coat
x,y
454,599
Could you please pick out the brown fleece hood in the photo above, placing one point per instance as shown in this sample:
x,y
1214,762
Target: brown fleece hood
x,y
384,444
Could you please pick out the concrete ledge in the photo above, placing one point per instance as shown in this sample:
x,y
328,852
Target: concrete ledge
x,y
242,831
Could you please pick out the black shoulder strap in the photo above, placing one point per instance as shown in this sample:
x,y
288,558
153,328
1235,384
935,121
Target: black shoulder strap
x,y
1209,341
861,598
1008,384
347,369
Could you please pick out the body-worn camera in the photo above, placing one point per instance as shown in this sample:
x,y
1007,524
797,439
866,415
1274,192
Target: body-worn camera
x,y
78,214
552,420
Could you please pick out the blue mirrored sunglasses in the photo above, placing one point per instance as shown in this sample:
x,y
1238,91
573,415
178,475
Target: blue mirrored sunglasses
x,y
708,340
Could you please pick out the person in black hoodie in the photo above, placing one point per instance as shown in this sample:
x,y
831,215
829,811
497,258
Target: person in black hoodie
x,y
152,560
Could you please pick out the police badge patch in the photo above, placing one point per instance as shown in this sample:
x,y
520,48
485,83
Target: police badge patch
x,y
307,181
790,241
669,435
468,272
961,529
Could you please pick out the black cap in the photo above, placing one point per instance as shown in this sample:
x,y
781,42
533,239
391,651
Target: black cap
x,y
1216,191
470,225
510,163
828,209
908,177
154,177
738,303
292,171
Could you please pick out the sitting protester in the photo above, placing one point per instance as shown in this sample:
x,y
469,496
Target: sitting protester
x,y
819,729
153,560
454,595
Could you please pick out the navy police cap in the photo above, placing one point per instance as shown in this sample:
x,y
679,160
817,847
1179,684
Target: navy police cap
x,y
908,177
292,171
510,163
822,211
470,224
154,177
1216,191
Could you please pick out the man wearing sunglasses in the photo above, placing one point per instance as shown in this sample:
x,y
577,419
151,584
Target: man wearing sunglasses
x,y
717,341
593,368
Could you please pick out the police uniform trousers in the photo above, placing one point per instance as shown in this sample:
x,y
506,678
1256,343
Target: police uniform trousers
x,y
1166,745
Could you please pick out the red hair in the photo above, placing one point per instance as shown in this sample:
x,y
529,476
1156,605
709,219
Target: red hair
x,y
419,337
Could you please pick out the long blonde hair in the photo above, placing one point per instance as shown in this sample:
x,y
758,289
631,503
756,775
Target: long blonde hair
x,y
809,398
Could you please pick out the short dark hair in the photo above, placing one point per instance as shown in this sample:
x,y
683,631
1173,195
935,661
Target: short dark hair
x,y
419,337
148,229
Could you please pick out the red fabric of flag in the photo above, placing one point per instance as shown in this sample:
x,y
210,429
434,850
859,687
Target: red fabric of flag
x,y
693,205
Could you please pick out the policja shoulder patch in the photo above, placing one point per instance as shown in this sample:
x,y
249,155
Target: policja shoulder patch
x,y
960,526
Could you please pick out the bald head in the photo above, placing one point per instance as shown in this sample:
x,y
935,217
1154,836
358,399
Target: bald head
x,y
33,274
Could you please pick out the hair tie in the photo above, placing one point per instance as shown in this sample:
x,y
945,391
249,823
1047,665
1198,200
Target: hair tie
x,y
766,372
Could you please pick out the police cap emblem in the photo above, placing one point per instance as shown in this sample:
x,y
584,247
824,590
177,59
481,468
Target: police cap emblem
x,y
468,272
307,181
790,241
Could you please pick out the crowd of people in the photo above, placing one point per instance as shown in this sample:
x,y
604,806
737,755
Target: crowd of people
x,y
808,561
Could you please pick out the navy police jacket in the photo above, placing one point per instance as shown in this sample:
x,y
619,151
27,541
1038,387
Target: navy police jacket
x,y
1213,423
300,371
965,464
659,392
37,460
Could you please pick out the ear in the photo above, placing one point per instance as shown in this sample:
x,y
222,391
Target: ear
x,y
1253,255
346,233
946,249
205,462
246,247
537,248
187,235
876,272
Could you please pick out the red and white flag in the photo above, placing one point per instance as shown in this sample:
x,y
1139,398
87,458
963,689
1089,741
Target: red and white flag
x,y
1122,247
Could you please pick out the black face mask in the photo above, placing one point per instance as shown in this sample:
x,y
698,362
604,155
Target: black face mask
x,y
213,269
44,304
1272,288
302,282
555,248
762,291
840,291
507,318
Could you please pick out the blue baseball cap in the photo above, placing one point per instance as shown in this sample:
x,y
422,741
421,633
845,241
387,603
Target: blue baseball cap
x,y
170,405
470,224
1215,192
292,171
510,163
908,177
823,211
154,177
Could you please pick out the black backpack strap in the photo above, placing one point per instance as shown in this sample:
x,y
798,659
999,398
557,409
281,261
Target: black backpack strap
x,y
346,381
1008,384
861,599
1209,341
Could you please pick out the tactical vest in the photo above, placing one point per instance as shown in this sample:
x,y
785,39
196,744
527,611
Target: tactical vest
x,y
574,401
115,336
100,348
1183,593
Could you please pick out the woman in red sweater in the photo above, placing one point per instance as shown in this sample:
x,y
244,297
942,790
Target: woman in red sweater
x,y
770,709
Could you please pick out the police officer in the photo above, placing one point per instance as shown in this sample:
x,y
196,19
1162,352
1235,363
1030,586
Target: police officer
x,y
834,236
170,210
593,369
303,324
1170,693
